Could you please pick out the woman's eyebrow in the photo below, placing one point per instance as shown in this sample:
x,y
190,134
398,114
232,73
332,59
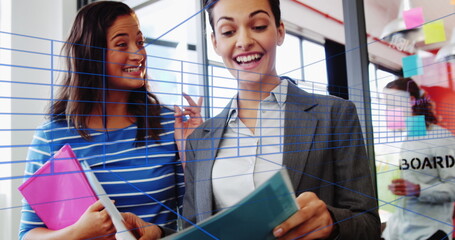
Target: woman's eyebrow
x,y
257,12
251,15
119,35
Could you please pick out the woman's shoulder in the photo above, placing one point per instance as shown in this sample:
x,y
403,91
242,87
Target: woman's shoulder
x,y
440,131
167,109
167,114
54,124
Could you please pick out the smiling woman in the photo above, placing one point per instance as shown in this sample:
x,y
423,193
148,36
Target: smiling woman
x,y
271,124
107,113
246,39
125,58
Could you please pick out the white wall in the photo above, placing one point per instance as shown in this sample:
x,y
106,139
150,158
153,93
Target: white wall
x,y
34,26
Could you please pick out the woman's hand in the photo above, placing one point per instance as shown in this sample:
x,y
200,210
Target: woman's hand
x,y
94,223
140,229
184,128
403,187
311,221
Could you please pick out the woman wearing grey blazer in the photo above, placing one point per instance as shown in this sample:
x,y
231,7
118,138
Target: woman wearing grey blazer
x,y
272,123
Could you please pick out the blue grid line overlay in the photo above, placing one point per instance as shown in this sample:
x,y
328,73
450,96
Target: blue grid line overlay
x,y
105,143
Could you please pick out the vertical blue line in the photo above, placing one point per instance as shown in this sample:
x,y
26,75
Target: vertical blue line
x,y
282,108
211,99
147,127
259,136
51,112
181,143
238,120
104,113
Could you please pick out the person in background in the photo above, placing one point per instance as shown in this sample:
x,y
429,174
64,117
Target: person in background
x,y
427,182
105,110
272,123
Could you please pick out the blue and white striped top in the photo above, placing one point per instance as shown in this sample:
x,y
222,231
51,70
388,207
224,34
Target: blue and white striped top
x,y
146,180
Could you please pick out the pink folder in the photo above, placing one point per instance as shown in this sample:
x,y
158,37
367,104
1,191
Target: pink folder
x,y
59,191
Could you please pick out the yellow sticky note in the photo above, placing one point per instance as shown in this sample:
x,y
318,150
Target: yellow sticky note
x,y
452,2
434,32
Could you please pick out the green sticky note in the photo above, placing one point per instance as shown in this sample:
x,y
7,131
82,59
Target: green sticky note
x,y
415,126
434,32
412,65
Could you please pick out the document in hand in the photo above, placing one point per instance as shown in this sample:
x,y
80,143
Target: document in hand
x,y
254,217
62,189
59,191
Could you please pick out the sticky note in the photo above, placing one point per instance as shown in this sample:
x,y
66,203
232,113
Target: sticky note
x,y
415,126
434,32
395,119
452,2
412,65
413,18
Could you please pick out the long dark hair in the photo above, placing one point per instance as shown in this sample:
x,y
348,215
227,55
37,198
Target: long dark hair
x,y
422,104
85,83
274,5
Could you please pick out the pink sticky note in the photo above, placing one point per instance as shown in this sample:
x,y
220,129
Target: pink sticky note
x,y
395,119
413,17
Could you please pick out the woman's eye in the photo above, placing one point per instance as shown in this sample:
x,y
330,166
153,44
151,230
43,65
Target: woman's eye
x,y
260,28
121,45
140,43
227,33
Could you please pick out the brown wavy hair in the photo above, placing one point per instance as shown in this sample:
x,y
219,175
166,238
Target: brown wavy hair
x,y
422,104
84,83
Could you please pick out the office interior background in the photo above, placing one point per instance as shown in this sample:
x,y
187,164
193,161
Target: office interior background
x,y
347,48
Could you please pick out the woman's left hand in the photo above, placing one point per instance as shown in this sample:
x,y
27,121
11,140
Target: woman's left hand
x,y
403,187
140,229
184,128
312,221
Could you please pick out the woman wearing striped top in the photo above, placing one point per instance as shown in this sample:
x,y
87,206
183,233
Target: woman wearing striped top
x,y
106,112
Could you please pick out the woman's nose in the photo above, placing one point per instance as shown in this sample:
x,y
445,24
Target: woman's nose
x,y
244,40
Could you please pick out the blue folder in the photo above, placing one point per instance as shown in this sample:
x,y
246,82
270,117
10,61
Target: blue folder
x,y
254,217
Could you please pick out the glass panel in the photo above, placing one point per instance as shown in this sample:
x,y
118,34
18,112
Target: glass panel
x,y
222,88
412,118
315,69
288,60
172,55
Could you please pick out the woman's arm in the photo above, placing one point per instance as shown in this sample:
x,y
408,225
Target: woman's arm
x,y
94,223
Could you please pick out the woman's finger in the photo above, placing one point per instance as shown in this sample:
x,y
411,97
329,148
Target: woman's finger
x,y
189,99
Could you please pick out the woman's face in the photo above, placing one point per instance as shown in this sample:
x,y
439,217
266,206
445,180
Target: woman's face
x,y
126,56
246,37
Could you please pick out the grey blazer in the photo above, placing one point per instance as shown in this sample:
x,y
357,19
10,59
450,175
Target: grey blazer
x,y
324,153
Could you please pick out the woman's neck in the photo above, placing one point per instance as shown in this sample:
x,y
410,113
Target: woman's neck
x,y
114,111
251,93
249,97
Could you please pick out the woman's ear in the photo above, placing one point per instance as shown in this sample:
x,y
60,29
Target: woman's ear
x,y
214,43
413,101
281,33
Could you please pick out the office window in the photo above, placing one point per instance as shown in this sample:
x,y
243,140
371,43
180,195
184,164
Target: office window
x,y
289,61
173,65
315,70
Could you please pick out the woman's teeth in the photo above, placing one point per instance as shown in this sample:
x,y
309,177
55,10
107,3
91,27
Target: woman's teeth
x,y
247,59
135,69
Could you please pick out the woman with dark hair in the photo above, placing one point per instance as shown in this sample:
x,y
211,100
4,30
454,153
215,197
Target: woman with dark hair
x,y
106,112
271,123
427,183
